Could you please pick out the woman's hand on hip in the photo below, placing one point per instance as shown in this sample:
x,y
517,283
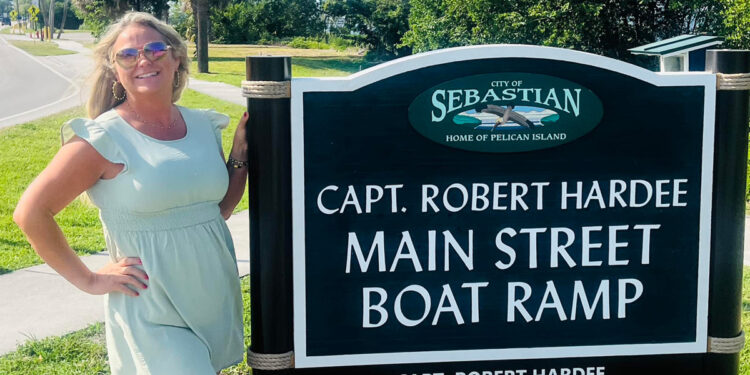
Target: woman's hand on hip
x,y
115,277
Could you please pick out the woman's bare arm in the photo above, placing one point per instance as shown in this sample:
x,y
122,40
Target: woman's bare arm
x,y
237,176
75,168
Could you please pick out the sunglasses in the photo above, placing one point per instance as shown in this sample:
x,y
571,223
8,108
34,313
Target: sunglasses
x,y
154,51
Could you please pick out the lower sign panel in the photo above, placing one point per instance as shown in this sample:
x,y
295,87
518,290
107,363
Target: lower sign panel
x,y
647,365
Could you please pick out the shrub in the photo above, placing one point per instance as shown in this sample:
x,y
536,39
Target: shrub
x,y
94,16
332,42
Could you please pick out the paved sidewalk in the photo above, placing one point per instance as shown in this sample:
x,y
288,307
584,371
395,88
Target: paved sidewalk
x,y
223,91
37,302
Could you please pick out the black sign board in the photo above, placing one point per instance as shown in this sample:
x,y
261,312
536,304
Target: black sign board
x,y
501,203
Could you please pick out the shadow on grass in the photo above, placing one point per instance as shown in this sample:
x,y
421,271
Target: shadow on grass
x,y
350,65
87,251
5,270
745,305
218,59
12,243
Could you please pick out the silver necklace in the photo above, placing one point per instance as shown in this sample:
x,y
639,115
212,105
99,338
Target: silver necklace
x,y
153,124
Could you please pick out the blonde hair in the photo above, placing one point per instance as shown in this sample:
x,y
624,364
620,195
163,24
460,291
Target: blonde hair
x,y
103,77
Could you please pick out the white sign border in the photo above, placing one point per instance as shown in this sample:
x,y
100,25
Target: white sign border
x,y
414,62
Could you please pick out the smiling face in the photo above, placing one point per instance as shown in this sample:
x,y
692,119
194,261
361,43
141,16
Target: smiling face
x,y
146,78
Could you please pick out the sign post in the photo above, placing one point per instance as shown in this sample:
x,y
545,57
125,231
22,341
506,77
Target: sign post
x,y
498,210
269,174
728,219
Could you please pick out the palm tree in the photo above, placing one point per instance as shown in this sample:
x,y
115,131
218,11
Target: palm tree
x,y
65,15
200,12
51,18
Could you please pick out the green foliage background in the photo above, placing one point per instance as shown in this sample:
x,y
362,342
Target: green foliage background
x,y
737,23
378,24
607,28
249,21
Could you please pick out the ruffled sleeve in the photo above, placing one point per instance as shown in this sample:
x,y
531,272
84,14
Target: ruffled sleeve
x,y
219,122
93,133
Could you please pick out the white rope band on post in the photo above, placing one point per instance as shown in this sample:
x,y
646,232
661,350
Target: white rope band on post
x,y
726,345
267,89
740,81
260,361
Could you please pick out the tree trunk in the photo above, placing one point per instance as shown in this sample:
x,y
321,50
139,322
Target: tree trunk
x,y
44,19
65,15
51,18
165,13
200,12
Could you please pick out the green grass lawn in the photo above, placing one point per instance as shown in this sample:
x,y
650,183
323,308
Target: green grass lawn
x,y
227,62
26,149
38,48
85,352
74,31
8,31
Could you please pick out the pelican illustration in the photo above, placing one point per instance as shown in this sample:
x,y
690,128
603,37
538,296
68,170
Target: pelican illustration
x,y
507,114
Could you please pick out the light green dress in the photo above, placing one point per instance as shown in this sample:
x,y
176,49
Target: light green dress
x,y
163,208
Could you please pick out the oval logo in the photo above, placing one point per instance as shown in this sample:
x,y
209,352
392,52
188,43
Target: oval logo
x,y
505,112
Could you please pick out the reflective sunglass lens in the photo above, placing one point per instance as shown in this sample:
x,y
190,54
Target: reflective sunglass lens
x,y
155,50
155,46
128,53
127,56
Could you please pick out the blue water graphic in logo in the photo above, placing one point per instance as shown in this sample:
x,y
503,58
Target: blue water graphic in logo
x,y
521,117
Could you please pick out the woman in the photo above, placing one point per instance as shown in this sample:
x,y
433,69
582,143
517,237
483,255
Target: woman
x,y
157,173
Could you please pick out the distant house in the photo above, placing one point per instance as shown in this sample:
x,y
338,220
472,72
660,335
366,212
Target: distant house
x,y
680,54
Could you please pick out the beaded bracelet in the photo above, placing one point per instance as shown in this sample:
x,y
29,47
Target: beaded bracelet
x,y
236,163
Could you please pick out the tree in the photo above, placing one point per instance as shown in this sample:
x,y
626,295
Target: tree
x,y
237,23
51,18
65,15
250,21
5,6
381,23
603,27
181,18
288,18
94,16
200,12
42,12
737,23
98,14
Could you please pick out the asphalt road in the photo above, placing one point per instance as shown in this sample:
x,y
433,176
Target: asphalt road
x,y
25,83
37,86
